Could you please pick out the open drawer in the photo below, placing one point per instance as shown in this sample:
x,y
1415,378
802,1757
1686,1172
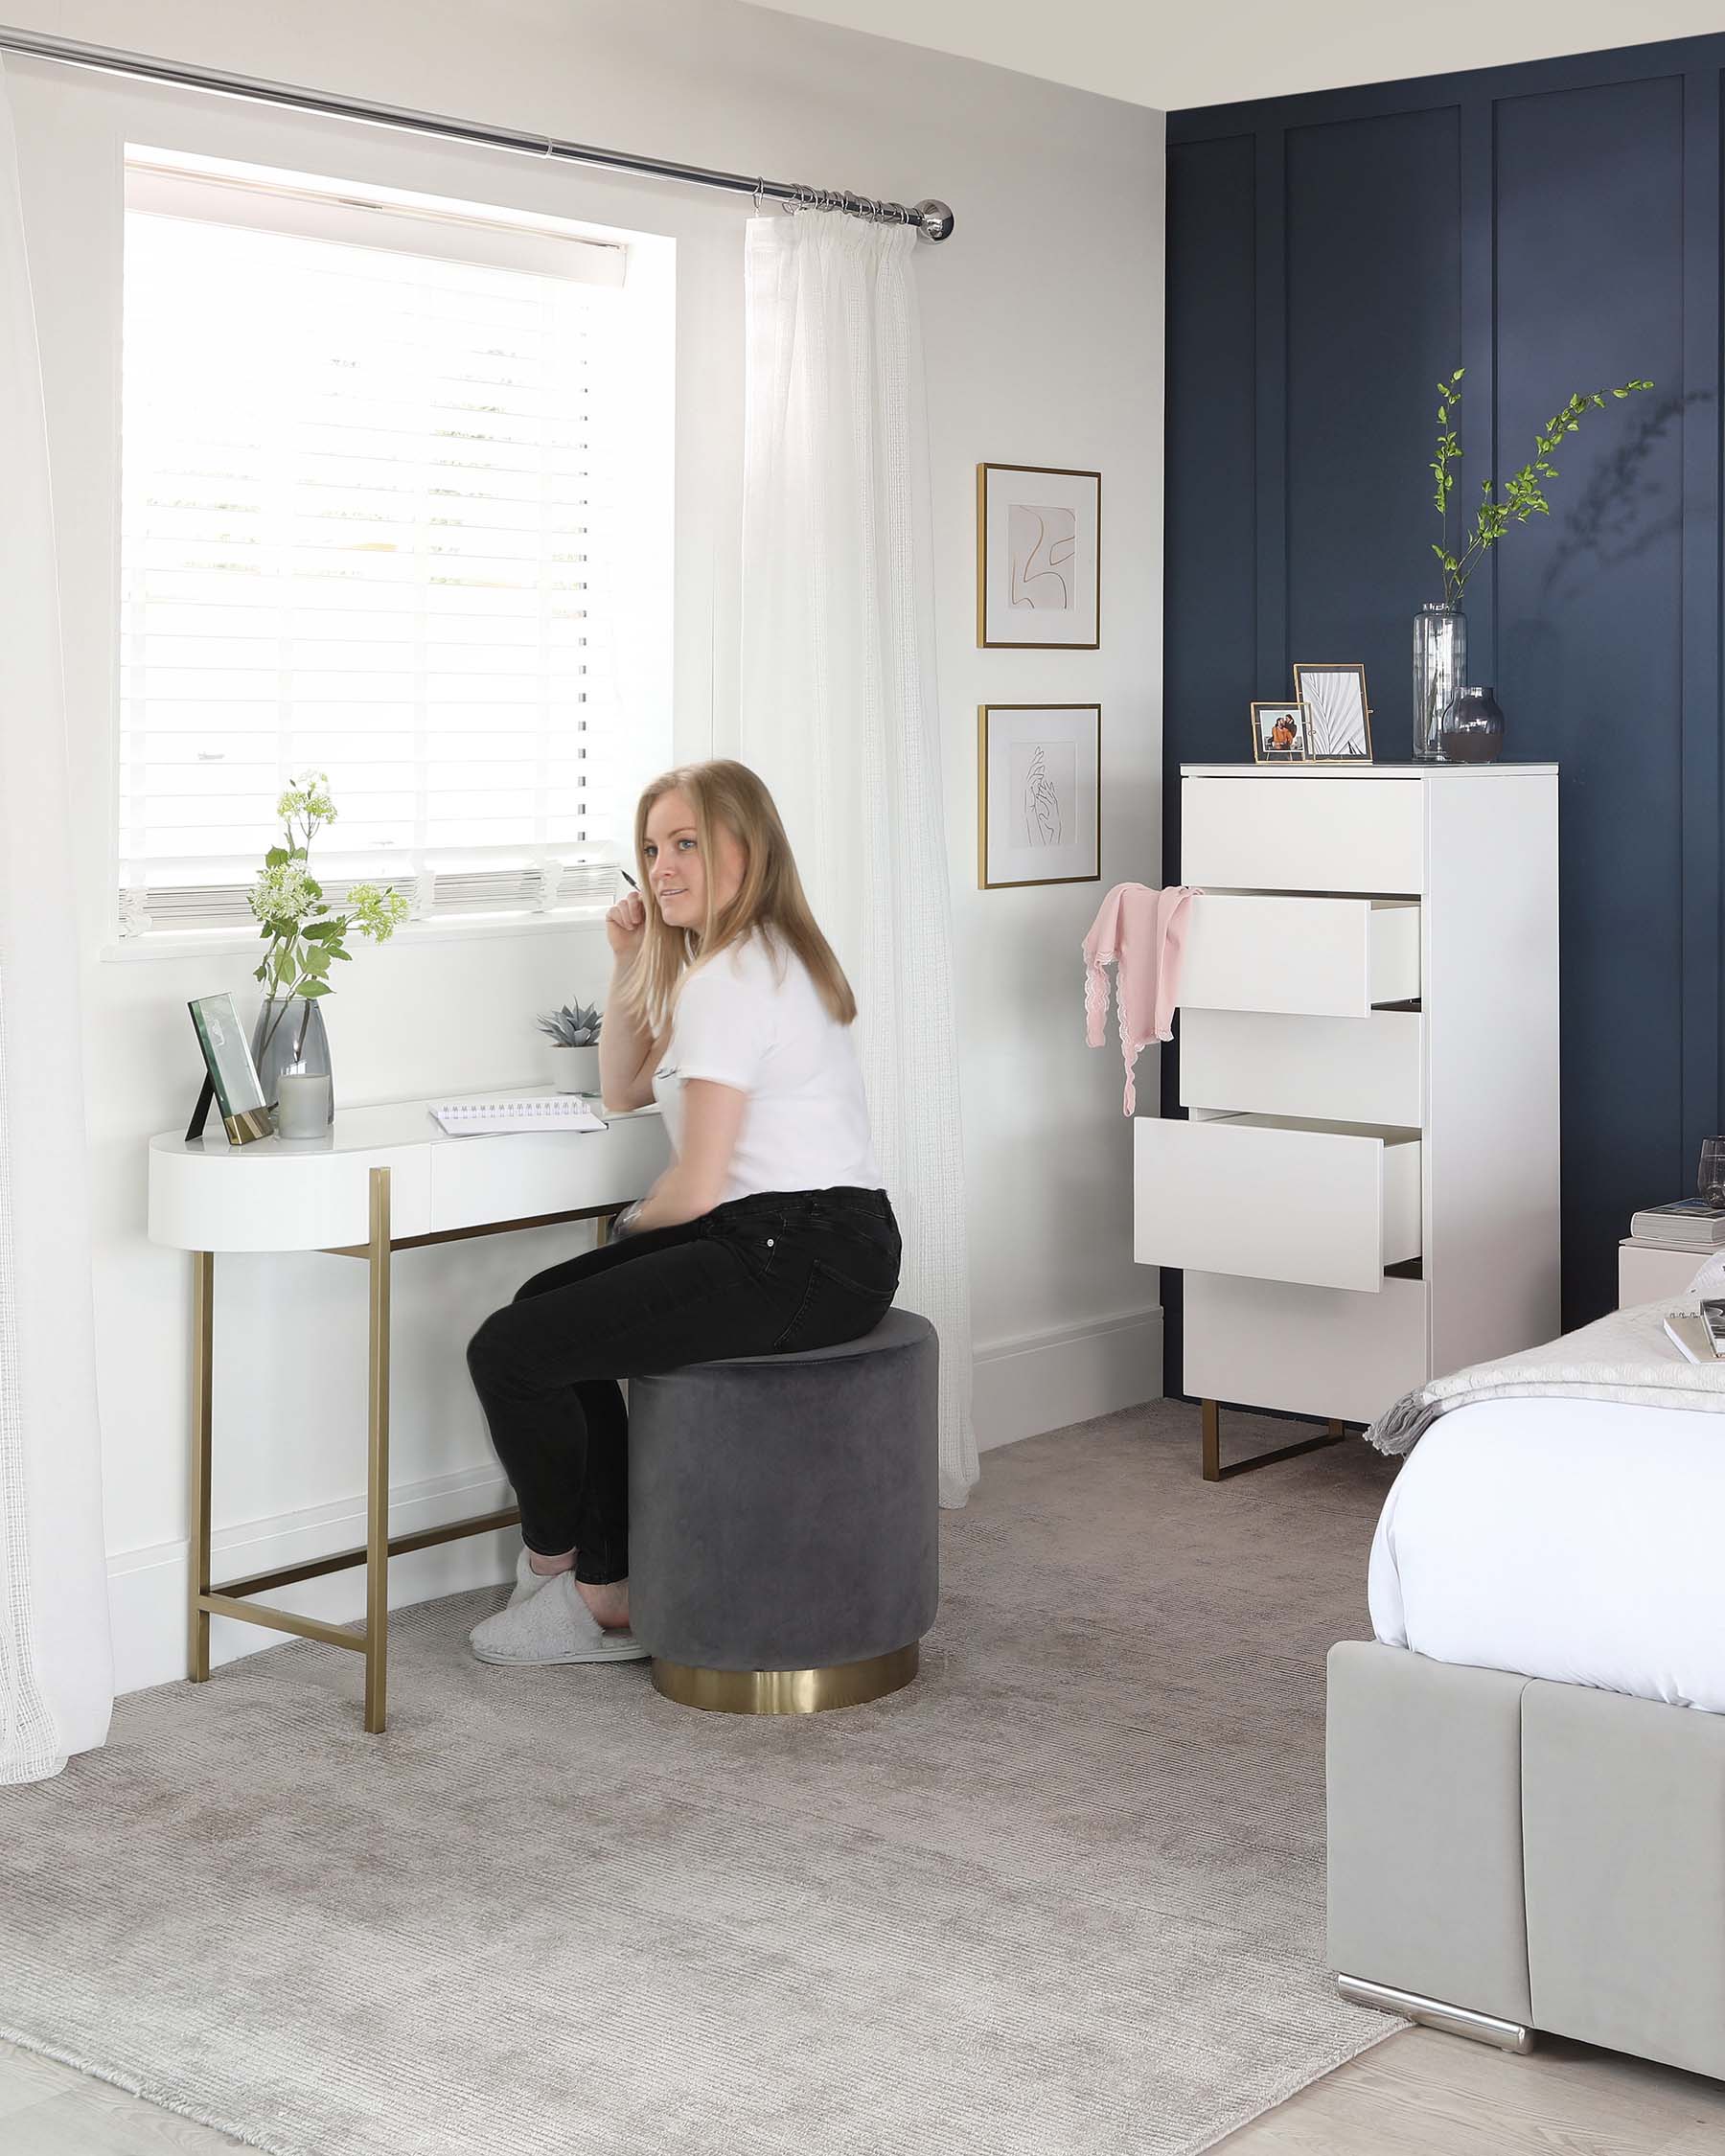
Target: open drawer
x,y
1339,1071
1271,1198
1324,957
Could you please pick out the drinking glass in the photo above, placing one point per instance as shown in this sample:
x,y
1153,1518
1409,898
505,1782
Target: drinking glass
x,y
1710,1177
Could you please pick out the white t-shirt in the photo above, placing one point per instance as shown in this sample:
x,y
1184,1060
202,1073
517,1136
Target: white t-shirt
x,y
752,1018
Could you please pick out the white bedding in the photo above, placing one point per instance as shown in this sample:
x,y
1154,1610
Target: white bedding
x,y
1580,1539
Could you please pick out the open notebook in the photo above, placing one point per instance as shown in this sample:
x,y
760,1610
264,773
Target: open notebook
x,y
524,1111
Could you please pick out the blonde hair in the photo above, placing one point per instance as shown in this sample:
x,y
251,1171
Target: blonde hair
x,y
769,899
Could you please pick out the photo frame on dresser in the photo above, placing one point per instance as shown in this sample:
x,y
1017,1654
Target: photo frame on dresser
x,y
1339,715
1039,795
1280,733
1039,558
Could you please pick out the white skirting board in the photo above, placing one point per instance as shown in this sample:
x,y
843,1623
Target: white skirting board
x,y
1022,1387
147,1588
1045,1381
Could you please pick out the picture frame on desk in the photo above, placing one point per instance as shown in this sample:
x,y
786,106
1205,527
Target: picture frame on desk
x,y
230,1075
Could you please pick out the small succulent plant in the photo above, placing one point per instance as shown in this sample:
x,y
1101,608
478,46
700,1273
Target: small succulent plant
x,y
575,1026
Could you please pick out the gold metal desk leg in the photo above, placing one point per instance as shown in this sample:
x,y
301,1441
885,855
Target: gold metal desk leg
x,y
197,1549
377,1471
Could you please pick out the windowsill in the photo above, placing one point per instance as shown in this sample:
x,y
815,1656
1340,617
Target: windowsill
x,y
184,943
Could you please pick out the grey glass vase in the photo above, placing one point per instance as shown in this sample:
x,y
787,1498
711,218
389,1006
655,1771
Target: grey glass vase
x,y
1440,669
1472,729
290,1036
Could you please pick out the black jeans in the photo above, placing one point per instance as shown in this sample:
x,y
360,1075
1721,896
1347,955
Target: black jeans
x,y
762,1276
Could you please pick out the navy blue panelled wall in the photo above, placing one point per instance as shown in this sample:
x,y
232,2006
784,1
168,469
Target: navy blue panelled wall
x,y
1551,227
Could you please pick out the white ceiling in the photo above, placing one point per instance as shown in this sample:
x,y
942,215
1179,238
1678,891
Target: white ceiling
x,y
1214,52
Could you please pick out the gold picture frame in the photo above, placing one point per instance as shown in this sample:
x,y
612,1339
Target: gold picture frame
x,y
1331,710
1043,811
1264,731
1044,558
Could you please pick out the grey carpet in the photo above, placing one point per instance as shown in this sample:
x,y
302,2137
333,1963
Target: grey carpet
x,y
1064,1894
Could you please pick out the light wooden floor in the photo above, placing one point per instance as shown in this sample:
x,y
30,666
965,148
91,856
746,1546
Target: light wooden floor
x,y
1418,2094
1425,2095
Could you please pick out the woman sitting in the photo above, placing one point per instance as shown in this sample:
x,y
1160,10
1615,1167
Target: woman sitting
x,y
768,1233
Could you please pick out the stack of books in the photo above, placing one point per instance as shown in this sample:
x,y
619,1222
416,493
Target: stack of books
x,y
1688,1224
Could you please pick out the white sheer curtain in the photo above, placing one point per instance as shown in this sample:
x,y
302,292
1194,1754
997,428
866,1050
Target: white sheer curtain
x,y
55,1668
839,714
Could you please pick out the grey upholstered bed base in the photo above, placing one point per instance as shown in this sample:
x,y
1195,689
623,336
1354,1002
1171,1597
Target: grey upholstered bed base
x,y
1512,1855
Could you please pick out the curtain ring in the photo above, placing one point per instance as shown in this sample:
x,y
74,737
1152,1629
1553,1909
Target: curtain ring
x,y
760,197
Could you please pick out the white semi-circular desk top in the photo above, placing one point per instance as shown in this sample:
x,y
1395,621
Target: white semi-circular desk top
x,y
313,1194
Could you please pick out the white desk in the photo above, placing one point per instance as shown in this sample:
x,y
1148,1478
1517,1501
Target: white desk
x,y
385,1179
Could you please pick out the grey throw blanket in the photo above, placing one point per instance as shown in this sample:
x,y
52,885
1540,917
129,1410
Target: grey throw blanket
x,y
1627,1356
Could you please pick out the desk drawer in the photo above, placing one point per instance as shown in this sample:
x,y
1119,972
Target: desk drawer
x,y
1324,957
1281,832
1327,1204
522,1174
1345,1071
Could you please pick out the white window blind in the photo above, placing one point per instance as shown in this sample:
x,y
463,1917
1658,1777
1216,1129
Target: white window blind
x,y
370,468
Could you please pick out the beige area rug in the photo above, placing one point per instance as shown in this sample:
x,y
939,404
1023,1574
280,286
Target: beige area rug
x,y
1064,1894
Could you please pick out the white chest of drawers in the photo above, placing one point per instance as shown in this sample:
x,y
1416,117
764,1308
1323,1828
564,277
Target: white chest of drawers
x,y
1366,1193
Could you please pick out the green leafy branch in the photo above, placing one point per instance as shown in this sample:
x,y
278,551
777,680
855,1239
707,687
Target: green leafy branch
x,y
1523,494
304,935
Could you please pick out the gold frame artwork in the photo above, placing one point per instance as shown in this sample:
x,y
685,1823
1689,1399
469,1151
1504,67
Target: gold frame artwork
x,y
1013,643
1335,666
1028,883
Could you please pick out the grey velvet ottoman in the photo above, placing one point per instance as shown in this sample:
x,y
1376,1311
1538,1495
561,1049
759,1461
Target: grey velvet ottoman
x,y
784,1522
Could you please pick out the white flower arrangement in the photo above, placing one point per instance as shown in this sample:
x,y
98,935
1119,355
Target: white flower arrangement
x,y
304,937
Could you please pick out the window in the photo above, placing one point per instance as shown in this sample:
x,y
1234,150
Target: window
x,y
383,467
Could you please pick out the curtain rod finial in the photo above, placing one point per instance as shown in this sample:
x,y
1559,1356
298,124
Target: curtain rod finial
x,y
933,220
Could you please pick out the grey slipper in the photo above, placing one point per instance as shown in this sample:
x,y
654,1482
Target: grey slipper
x,y
552,1624
527,1581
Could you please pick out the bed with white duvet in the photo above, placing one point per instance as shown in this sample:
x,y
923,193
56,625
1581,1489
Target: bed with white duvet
x,y
1572,1538
1526,1768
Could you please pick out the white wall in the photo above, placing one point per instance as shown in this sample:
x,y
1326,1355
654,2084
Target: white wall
x,y
1044,339
1171,55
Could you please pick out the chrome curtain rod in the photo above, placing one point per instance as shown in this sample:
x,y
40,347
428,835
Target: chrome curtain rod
x,y
932,220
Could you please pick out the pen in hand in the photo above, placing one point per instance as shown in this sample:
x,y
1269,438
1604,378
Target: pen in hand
x,y
629,880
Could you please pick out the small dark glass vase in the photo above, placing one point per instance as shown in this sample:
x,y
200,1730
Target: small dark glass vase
x,y
1471,731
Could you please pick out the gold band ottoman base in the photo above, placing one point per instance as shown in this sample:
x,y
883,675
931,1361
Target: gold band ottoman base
x,y
786,1691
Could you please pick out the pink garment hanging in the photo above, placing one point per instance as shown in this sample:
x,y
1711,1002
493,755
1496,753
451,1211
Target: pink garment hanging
x,y
1142,933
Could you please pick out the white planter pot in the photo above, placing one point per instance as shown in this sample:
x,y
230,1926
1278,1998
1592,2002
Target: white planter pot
x,y
574,1070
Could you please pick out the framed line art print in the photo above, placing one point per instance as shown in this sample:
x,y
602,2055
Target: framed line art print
x,y
1039,558
1039,795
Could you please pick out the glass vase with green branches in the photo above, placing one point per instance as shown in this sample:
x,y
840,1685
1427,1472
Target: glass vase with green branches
x,y
1523,494
306,935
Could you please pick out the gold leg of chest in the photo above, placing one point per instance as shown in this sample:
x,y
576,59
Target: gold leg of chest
x,y
230,1599
1215,1472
